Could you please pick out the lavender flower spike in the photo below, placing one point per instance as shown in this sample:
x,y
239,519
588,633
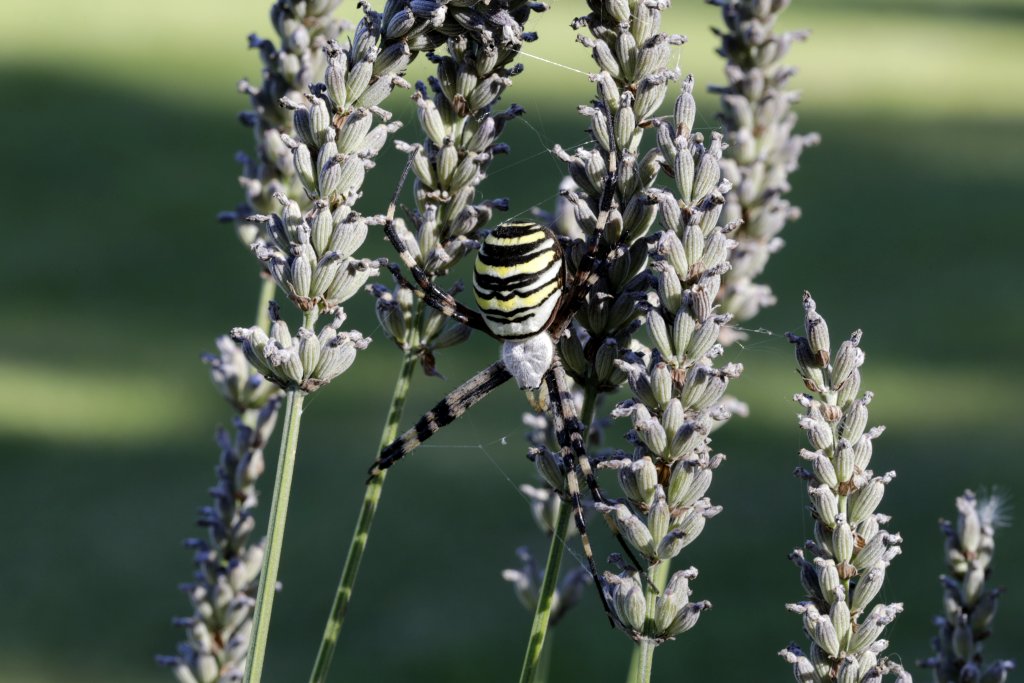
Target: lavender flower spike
x,y
758,122
843,567
970,606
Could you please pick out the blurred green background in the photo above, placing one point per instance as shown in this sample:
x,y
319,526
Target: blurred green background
x,y
118,135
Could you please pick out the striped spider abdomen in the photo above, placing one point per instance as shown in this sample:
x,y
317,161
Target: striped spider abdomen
x,y
518,279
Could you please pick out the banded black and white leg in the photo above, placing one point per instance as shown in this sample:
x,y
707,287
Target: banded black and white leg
x,y
562,403
569,429
434,296
447,410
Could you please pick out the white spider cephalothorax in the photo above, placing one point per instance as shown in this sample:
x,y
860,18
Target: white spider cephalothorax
x,y
528,359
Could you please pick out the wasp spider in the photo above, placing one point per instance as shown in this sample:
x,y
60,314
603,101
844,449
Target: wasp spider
x,y
527,300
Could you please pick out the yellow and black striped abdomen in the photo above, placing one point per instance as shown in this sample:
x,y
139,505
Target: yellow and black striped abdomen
x,y
518,279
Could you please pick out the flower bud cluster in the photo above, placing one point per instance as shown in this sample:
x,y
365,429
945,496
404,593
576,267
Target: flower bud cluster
x,y
309,242
545,454
842,569
758,121
305,361
632,56
414,327
678,392
461,132
545,504
227,562
461,138
310,257
310,239
238,383
671,613
526,582
969,604
303,29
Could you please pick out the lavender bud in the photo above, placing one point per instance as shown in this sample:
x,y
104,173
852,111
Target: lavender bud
x,y
825,504
683,170
357,79
865,501
430,121
828,578
354,130
685,109
842,540
661,387
687,618
549,466
706,177
658,516
867,587
633,529
630,605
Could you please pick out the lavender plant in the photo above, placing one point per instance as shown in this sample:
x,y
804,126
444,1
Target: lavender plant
x,y
678,391
969,605
758,121
297,57
545,505
222,591
611,178
843,567
676,289
309,251
455,114
227,564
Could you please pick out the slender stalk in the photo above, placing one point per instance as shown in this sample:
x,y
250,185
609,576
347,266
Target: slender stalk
x,y
643,653
542,615
645,660
275,536
267,289
361,535
544,667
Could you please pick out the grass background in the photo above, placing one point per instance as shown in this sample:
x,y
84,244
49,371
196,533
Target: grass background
x,y
118,135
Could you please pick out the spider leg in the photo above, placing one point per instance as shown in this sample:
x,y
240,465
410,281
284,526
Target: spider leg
x,y
434,296
595,257
446,303
562,400
447,410
569,431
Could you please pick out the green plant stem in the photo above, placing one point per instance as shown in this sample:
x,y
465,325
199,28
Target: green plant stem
x,y
544,668
830,398
645,660
643,653
267,289
361,535
275,536
542,614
